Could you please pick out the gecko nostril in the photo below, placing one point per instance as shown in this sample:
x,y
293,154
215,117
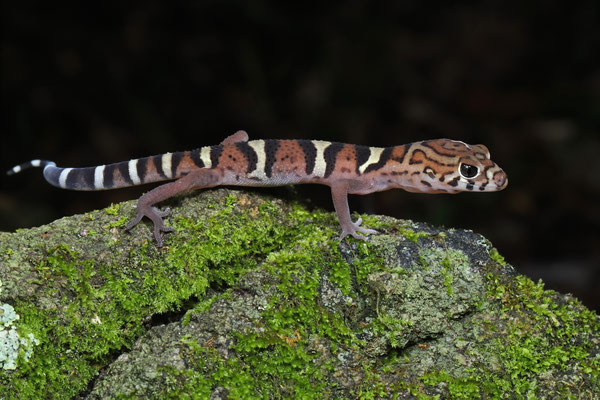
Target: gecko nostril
x,y
500,179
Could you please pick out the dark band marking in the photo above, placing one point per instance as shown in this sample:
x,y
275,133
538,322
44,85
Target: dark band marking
x,y
175,161
426,144
486,169
412,160
72,179
362,155
330,157
108,180
123,168
310,153
383,159
141,168
249,155
271,147
215,154
483,185
86,176
195,156
426,183
470,185
157,161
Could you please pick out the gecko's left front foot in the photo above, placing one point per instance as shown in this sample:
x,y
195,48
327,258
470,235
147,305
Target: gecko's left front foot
x,y
156,216
354,229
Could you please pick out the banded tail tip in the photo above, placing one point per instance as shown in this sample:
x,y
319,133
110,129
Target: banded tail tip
x,y
14,170
30,164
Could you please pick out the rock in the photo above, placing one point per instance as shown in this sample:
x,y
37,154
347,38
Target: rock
x,y
254,297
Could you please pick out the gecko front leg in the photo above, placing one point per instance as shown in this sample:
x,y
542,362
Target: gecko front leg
x,y
339,194
202,178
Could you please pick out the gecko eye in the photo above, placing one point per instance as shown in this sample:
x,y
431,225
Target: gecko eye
x,y
468,171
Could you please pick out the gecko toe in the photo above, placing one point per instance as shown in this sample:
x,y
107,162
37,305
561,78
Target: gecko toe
x,y
161,214
134,221
355,231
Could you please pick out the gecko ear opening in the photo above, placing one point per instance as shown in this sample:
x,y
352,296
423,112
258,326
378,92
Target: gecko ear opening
x,y
468,171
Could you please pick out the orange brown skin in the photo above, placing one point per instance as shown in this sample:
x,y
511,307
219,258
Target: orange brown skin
x,y
432,166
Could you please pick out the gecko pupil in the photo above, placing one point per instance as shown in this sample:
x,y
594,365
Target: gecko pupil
x,y
468,171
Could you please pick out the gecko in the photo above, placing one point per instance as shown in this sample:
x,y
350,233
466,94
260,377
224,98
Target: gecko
x,y
430,166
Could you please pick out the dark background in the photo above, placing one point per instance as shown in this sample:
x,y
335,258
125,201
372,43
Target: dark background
x,y
86,84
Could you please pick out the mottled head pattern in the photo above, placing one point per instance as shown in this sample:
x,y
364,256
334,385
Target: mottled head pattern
x,y
442,166
448,166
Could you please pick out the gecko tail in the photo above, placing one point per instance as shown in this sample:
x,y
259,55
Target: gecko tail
x,y
30,164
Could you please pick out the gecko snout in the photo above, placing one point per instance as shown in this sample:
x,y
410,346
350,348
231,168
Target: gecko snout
x,y
500,179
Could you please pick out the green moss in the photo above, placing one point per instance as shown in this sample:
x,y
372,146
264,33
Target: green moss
x,y
122,221
411,234
340,274
458,388
447,273
548,329
210,370
324,307
372,386
494,255
452,262
100,308
230,201
392,328
276,361
279,361
113,209
365,262
537,340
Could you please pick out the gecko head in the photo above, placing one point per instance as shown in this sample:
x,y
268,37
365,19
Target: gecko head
x,y
450,166
474,169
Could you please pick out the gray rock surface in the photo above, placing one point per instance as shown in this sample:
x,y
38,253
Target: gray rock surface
x,y
252,297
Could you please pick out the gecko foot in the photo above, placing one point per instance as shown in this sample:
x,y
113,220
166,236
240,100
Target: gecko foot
x,y
354,229
156,216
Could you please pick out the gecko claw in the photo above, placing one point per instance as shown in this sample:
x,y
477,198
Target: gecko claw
x,y
354,229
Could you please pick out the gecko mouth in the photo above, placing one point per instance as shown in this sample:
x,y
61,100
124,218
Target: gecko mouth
x,y
495,185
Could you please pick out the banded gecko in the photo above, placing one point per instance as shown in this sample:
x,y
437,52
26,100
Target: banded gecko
x,y
432,166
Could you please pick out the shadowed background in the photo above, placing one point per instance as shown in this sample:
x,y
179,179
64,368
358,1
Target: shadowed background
x,y
88,84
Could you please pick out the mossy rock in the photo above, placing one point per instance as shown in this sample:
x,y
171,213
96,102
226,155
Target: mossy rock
x,y
253,297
